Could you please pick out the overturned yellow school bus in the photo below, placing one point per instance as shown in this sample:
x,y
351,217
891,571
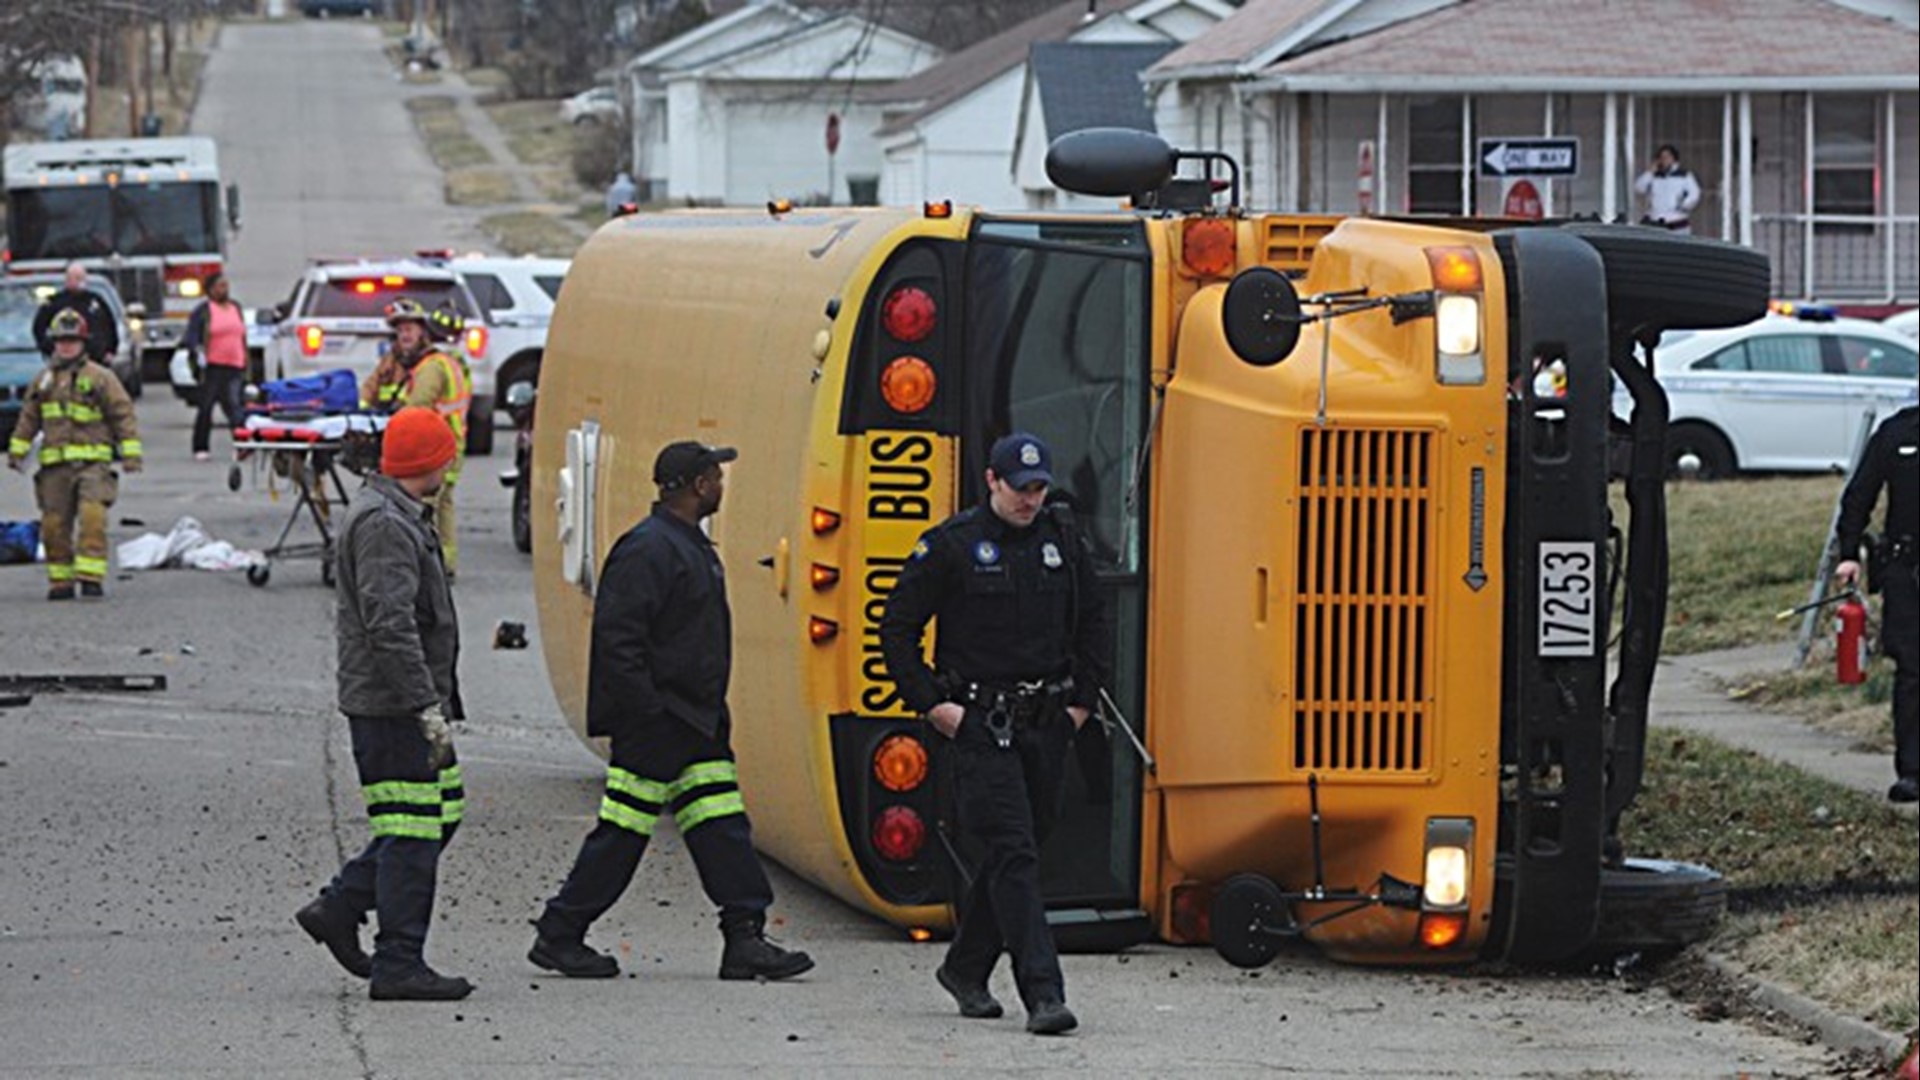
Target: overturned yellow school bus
x,y
1346,485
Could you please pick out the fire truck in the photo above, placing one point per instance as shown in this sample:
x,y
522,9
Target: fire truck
x,y
149,215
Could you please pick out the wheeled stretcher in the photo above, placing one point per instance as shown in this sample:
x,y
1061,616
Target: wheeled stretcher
x,y
308,455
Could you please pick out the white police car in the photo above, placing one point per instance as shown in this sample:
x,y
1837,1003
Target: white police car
x,y
1789,393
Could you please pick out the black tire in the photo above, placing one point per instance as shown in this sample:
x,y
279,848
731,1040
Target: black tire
x,y
135,385
523,513
1663,281
1656,908
1705,444
258,575
233,477
326,570
1245,913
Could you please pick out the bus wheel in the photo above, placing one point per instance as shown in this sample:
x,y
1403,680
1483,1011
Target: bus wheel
x,y
1655,908
1664,281
1248,919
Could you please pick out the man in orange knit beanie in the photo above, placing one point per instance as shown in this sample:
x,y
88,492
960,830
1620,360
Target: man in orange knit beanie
x,y
398,637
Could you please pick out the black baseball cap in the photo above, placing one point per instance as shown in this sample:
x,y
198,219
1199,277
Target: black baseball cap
x,y
680,462
1021,459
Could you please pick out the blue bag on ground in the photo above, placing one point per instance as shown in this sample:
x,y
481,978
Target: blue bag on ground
x,y
335,391
19,541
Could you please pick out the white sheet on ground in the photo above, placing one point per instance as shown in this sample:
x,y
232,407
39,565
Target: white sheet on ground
x,y
186,545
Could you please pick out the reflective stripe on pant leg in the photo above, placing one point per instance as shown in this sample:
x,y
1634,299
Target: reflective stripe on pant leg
x,y
703,791
404,808
453,796
632,802
59,572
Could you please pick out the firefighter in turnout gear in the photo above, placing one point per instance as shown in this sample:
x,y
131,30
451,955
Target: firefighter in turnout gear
x,y
417,372
83,419
660,659
398,643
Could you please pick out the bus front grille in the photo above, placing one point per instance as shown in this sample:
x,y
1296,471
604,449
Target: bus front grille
x,y
1363,618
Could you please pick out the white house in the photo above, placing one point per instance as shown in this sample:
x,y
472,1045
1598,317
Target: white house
x,y
737,110
1799,118
950,131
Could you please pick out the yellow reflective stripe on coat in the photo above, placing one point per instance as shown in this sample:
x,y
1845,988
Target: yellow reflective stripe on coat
x,y
701,773
83,414
55,455
713,806
89,567
53,410
19,447
131,448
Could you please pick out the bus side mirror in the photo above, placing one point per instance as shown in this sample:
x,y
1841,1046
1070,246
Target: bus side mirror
x,y
1110,162
233,206
1261,316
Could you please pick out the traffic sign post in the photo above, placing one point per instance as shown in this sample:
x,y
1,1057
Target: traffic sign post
x,y
1501,158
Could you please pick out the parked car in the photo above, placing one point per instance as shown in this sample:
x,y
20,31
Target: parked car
x,y
1789,392
125,361
1907,322
20,359
326,9
336,318
591,106
516,296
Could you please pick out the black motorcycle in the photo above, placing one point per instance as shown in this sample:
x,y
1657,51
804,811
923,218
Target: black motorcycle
x,y
519,399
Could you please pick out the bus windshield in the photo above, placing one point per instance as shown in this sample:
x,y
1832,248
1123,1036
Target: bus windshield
x,y
127,219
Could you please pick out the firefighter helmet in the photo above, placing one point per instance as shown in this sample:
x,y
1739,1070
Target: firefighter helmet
x,y
67,324
407,309
445,322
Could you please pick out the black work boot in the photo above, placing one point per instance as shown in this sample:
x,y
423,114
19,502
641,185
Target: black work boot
x,y
339,933
92,590
1050,1018
423,985
60,591
1906,789
749,955
571,957
976,1002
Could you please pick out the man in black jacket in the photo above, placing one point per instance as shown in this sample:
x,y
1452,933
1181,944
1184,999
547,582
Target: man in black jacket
x,y
1892,461
399,639
657,678
103,334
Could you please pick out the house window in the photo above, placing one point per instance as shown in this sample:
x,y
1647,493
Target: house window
x,y
1433,155
1844,152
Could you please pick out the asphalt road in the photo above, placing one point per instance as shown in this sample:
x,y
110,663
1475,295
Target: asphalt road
x,y
156,846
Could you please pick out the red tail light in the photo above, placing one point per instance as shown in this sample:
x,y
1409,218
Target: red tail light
x,y
898,833
311,339
909,314
476,341
907,384
364,288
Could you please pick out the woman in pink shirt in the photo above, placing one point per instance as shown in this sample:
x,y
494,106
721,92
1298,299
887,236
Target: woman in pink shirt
x,y
217,330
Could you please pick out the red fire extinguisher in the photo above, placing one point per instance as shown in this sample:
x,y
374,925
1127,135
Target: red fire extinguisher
x,y
1851,649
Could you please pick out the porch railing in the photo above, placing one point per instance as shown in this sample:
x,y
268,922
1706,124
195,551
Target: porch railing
x,y
1841,256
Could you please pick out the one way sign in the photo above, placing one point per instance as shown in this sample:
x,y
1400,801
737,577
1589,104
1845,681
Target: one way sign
x,y
1529,157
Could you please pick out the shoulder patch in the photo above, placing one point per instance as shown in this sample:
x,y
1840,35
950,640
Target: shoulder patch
x,y
919,551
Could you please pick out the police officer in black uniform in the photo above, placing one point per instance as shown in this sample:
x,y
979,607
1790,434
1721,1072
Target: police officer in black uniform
x,y
657,676
1892,461
1021,654
103,334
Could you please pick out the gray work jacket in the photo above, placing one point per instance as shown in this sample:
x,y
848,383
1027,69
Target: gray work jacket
x,y
398,635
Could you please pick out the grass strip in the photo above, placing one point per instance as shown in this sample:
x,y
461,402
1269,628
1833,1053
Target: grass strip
x,y
529,232
445,134
479,187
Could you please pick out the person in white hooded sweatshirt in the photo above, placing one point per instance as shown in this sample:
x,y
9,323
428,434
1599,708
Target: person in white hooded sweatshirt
x,y
1669,190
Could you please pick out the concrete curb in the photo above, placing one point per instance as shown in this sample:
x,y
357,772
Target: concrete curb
x,y
1839,1031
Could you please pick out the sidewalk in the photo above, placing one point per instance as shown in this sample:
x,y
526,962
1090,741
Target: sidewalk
x,y
1689,692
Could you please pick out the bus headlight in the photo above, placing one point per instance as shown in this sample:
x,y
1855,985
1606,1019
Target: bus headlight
x,y
1448,880
1456,325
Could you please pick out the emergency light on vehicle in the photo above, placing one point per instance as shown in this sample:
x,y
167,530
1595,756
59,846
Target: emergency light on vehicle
x,y
1456,324
938,211
186,280
476,341
1208,246
824,521
899,833
820,631
311,338
900,763
822,576
907,384
909,314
